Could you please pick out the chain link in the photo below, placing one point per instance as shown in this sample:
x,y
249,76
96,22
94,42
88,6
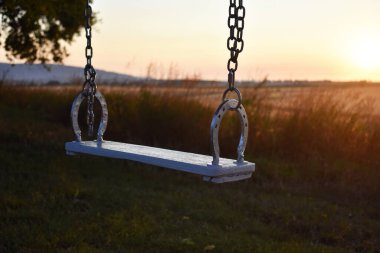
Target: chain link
x,y
89,86
235,42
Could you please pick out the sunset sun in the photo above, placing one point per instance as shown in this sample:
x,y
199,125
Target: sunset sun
x,y
366,52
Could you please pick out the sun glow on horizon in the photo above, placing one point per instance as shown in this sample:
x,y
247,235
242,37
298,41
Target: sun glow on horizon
x,y
365,51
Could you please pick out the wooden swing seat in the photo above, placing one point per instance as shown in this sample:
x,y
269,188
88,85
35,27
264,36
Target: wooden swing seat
x,y
228,170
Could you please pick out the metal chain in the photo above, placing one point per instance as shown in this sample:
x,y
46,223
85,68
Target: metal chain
x,y
89,86
235,42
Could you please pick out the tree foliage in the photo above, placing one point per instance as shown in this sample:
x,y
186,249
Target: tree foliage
x,y
38,30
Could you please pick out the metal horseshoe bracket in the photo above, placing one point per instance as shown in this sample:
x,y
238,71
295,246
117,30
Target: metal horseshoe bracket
x,y
229,105
103,120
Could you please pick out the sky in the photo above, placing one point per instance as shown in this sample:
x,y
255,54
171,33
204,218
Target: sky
x,y
284,39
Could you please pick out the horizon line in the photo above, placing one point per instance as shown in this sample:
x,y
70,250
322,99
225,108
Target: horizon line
x,y
265,79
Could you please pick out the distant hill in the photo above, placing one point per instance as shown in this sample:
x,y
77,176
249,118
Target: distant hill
x,y
54,74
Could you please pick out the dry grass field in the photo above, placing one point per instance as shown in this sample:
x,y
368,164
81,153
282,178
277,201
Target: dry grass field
x,y
279,97
315,189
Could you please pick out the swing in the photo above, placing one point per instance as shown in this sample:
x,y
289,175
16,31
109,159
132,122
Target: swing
x,y
212,168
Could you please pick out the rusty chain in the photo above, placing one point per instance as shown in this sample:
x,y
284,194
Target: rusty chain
x,y
235,42
89,86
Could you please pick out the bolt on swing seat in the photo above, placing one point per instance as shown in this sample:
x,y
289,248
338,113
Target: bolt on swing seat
x,y
212,168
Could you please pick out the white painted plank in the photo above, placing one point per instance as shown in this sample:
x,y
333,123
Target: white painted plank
x,y
227,171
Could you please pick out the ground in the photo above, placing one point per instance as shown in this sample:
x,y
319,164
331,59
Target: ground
x,y
50,202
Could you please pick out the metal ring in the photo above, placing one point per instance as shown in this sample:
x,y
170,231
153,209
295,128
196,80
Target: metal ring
x,y
239,9
229,41
88,11
238,93
230,68
75,113
228,105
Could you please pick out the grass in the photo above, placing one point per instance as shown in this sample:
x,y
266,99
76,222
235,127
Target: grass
x,y
315,189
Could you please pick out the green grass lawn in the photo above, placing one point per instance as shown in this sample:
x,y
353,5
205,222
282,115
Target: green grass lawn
x,y
50,202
